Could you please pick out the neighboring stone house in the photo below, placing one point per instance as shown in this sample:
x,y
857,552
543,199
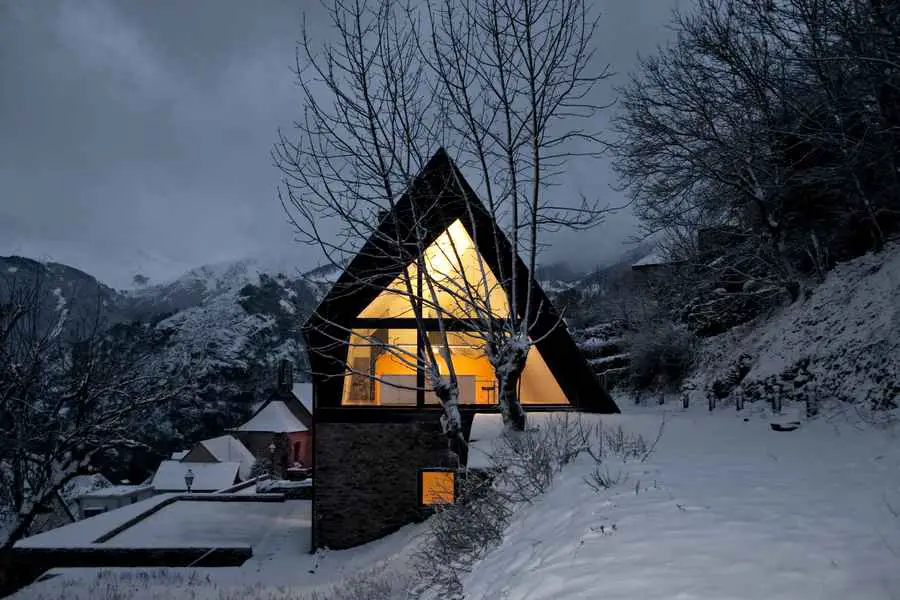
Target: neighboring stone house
x,y
380,454
657,268
283,423
225,448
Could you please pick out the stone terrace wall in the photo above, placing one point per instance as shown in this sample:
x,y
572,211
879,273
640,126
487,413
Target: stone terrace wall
x,y
366,480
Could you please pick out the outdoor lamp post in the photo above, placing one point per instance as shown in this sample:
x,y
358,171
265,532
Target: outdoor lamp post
x,y
272,457
189,479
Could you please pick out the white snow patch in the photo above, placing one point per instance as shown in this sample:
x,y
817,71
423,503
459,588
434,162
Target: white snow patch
x,y
848,330
652,259
115,490
198,523
60,299
287,306
84,532
12,269
281,565
723,509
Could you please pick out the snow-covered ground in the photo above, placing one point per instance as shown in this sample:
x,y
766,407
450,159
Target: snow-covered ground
x,y
723,509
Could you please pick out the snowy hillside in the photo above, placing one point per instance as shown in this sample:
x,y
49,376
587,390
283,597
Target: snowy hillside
x,y
840,344
723,509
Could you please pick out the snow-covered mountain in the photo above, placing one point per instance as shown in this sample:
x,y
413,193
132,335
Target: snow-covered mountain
x,y
227,325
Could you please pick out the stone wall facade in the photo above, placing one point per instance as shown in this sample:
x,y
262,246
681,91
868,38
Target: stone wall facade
x,y
366,479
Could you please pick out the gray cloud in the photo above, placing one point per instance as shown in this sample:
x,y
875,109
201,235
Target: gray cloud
x,y
135,135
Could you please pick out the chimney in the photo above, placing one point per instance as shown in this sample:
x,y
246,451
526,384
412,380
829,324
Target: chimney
x,y
285,377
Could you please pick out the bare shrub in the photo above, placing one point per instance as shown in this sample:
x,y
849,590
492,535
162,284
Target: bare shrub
x,y
524,466
374,584
461,534
603,479
529,460
623,444
661,356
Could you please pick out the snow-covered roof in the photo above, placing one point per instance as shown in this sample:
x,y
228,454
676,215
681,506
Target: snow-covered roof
x,y
84,532
275,417
652,259
179,455
227,448
304,393
169,476
115,490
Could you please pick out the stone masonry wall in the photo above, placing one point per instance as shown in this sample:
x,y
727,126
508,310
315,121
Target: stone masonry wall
x,y
366,481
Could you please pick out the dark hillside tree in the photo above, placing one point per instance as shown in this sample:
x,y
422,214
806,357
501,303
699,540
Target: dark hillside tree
x,y
67,396
777,117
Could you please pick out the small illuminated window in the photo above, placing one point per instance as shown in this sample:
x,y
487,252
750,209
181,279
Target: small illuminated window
x,y
436,487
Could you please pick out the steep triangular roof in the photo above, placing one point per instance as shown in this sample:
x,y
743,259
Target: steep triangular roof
x,y
273,417
227,448
418,210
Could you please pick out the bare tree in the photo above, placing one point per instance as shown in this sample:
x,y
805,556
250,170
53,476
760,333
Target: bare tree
x,y
66,396
505,85
697,132
776,118
362,139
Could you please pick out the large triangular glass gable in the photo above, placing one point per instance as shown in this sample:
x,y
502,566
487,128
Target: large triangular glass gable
x,y
458,283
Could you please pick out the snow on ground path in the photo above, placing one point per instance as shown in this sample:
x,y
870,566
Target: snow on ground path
x,y
724,509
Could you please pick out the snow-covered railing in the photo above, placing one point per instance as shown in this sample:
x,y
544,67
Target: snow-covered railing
x,y
242,486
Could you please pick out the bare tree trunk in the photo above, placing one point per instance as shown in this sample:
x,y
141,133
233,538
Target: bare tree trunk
x,y
508,397
509,358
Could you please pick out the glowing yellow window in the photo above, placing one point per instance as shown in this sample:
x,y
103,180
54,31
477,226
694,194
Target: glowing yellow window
x,y
474,372
457,283
538,385
381,368
436,487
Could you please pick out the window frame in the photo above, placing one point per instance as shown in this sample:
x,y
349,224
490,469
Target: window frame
x,y
455,325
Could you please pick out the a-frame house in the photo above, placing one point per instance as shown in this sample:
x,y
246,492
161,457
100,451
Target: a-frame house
x,y
376,424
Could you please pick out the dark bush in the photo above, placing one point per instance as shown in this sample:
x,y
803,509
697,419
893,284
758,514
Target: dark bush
x,y
661,356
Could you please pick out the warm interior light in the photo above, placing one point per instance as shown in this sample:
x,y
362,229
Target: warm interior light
x,y
444,257
437,487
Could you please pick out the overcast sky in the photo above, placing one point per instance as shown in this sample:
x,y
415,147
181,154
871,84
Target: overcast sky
x,y
135,135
